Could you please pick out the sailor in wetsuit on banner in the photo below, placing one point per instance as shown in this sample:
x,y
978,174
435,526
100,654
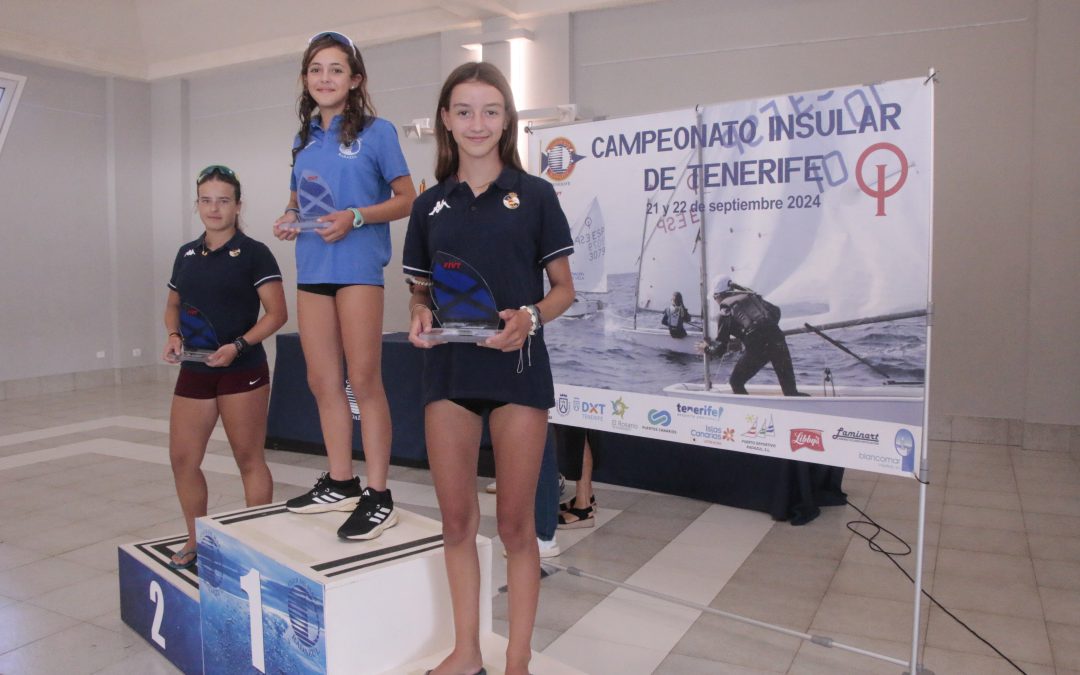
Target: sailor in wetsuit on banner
x,y
754,321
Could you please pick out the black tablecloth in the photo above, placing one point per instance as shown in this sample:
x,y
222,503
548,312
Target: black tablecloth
x,y
786,490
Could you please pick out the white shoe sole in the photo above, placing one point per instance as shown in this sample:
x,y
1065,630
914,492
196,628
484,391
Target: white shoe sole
x,y
347,504
375,531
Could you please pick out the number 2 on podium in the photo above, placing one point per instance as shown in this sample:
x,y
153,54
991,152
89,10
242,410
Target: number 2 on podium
x,y
251,583
157,596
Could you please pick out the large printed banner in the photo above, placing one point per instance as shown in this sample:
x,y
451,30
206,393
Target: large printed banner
x,y
819,204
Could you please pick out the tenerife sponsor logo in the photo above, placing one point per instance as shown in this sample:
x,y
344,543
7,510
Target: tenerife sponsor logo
x,y
759,433
659,420
855,436
589,410
563,405
807,438
699,410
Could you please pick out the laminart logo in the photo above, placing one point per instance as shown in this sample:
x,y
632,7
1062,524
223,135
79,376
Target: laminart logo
x,y
807,438
559,158
855,436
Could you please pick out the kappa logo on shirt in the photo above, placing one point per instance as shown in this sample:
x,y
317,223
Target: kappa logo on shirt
x,y
439,206
190,251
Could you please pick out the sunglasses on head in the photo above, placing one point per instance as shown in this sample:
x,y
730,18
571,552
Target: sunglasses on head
x,y
215,168
336,37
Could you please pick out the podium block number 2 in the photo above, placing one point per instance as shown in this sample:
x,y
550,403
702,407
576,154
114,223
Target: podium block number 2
x,y
251,583
157,596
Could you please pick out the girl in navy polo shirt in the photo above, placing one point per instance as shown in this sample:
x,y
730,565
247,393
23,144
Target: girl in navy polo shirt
x,y
218,283
349,179
508,226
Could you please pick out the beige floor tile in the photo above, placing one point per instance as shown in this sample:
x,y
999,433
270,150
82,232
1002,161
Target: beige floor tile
x,y
986,539
83,648
1057,574
24,623
1065,645
1019,638
962,592
1051,524
972,454
1061,605
817,538
993,499
973,516
1054,547
680,664
875,581
944,661
14,556
993,568
793,609
765,568
84,600
729,642
856,615
980,481
1054,504
42,576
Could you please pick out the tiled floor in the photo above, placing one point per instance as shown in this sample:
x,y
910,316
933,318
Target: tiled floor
x,y
82,472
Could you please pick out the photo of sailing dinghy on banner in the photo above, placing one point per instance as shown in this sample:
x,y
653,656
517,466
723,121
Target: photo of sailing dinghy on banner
x,y
819,202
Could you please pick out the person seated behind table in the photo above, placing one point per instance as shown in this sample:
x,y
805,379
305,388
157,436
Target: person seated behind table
x,y
747,316
675,316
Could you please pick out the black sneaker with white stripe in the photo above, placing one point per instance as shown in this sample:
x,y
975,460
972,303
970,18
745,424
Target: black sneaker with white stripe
x,y
327,495
374,513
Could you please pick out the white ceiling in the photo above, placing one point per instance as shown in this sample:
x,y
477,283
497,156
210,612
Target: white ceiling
x,y
154,39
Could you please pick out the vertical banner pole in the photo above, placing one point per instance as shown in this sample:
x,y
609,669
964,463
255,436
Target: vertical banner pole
x,y
923,475
704,270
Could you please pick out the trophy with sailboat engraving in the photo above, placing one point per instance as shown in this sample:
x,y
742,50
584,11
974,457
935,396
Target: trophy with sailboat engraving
x,y
464,306
200,338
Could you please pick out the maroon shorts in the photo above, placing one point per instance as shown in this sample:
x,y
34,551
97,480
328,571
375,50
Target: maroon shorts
x,y
204,384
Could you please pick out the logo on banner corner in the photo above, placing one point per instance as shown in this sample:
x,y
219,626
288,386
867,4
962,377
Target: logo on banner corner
x,y
810,439
904,442
564,405
619,407
559,159
660,417
878,191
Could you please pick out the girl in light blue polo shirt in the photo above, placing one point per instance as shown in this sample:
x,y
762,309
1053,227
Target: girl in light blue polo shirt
x,y
349,179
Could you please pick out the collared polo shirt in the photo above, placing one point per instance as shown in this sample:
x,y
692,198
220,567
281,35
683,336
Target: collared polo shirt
x,y
329,176
222,285
507,234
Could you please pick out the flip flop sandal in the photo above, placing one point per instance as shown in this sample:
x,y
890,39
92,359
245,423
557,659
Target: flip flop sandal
x,y
190,554
567,505
582,518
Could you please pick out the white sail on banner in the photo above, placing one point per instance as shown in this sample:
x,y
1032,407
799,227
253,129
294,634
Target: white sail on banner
x,y
587,263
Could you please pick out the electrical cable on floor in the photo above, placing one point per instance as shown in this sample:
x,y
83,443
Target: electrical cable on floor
x,y
874,546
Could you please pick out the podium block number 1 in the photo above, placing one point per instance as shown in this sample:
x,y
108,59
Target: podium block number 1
x,y
251,583
157,596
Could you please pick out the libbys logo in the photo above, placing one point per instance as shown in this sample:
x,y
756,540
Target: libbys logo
x,y
807,438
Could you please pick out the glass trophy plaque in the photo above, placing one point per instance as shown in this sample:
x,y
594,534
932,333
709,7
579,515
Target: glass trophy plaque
x,y
465,309
200,338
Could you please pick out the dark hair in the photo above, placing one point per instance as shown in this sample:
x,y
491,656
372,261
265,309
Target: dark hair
x,y
358,111
222,174
446,163
677,299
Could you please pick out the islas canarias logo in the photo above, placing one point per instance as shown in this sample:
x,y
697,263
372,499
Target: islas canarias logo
x,y
559,159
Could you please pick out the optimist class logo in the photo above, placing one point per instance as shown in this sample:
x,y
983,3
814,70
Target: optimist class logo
x,y
559,158
879,191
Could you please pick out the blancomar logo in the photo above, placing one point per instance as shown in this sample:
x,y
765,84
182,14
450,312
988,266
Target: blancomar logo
x,y
304,618
564,405
699,410
660,417
559,158
905,447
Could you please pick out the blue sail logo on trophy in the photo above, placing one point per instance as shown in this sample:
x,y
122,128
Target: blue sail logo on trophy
x,y
198,334
464,305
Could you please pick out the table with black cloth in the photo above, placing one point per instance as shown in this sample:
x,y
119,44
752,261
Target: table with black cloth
x,y
786,490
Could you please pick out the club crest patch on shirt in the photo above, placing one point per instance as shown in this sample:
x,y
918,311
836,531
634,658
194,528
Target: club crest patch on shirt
x,y
511,200
234,253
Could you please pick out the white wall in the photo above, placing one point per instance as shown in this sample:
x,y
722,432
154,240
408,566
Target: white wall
x,y
1006,242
